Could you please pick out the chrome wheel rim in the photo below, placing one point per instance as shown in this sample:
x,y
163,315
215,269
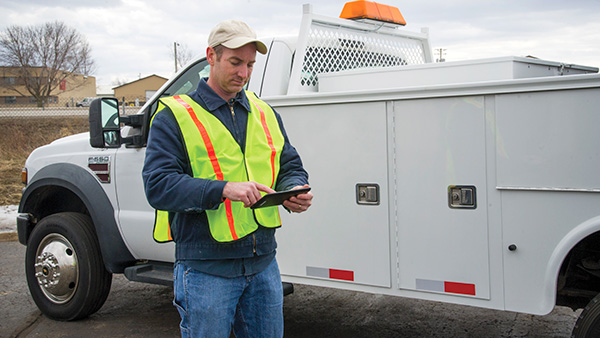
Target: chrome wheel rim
x,y
56,268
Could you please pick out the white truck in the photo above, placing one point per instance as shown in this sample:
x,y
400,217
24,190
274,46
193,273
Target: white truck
x,y
473,182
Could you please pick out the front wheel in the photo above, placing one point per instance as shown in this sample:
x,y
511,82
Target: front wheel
x,y
65,272
588,323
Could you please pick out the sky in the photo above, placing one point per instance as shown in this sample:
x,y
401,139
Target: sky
x,y
131,39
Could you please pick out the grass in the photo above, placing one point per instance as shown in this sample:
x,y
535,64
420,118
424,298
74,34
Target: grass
x,y
19,137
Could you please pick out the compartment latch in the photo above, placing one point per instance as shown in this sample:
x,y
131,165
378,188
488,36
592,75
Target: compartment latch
x,y
462,197
367,194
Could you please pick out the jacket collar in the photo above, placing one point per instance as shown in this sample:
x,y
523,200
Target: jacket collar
x,y
214,101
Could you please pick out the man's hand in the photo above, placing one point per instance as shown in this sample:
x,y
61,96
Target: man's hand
x,y
301,202
246,192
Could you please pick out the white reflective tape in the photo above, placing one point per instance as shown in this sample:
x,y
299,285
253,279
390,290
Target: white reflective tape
x,y
430,285
317,272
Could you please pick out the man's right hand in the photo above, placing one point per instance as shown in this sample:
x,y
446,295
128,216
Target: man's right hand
x,y
245,192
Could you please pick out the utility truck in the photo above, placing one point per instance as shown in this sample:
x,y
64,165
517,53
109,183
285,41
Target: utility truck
x,y
473,182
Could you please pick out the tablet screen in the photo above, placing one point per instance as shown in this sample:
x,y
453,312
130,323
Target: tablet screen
x,y
277,198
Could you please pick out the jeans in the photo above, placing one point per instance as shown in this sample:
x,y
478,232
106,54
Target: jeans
x,y
210,306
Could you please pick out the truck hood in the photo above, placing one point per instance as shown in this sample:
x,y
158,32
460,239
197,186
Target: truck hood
x,y
71,138
74,149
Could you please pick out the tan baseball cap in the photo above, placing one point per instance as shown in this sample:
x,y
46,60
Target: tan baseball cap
x,y
234,34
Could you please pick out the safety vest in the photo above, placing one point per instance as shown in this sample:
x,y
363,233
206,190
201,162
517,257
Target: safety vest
x,y
215,154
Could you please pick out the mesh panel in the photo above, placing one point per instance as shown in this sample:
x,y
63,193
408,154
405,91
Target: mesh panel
x,y
330,50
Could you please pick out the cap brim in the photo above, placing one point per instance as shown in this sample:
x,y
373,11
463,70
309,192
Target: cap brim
x,y
242,41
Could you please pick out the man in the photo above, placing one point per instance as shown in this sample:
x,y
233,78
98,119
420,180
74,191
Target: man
x,y
210,155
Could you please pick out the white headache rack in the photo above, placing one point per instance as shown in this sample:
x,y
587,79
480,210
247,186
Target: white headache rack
x,y
327,45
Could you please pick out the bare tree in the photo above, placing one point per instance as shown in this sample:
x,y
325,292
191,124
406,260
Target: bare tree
x,y
181,54
119,82
45,55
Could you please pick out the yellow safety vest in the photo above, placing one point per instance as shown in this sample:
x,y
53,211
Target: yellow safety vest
x,y
214,154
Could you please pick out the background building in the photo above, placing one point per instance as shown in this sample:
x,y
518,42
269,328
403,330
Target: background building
x,y
139,91
67,93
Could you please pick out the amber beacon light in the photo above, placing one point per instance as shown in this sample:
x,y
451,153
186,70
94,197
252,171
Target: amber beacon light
x,y
361,9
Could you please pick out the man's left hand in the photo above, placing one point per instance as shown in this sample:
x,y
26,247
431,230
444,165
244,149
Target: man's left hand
x,y
299,203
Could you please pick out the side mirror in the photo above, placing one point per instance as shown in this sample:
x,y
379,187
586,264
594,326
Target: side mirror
x,y
105,125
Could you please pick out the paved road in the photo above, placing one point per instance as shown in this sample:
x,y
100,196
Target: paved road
x,y
142,310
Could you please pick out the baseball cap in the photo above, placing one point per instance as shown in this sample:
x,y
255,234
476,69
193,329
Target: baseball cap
x,y
234,34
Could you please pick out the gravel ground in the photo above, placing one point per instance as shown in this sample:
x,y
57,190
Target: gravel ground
x,y
309,311
142,310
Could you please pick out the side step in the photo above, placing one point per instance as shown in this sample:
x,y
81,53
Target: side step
x,y
153,273
162,273
288,288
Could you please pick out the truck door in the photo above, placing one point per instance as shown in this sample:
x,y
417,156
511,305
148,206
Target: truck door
x,y
343,147
440,208
136,216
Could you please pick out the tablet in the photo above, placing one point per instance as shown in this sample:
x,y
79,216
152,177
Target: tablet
x,y
277,198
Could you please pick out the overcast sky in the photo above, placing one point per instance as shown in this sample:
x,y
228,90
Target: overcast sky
x,y
134,38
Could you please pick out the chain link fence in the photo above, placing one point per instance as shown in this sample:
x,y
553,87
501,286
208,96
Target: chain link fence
x,y
53,106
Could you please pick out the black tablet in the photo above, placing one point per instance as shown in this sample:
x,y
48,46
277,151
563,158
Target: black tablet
x,y
277,198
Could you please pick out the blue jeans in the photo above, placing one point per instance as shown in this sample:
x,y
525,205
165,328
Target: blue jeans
x,y
210,306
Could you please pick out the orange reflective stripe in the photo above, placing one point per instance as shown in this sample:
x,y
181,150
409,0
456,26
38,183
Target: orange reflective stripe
x,y
229,213
263,121
213,160
209,146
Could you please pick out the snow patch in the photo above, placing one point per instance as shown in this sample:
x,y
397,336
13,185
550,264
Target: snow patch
x,y
8,218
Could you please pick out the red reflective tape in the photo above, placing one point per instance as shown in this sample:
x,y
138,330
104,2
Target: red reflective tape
x,y
207,142
229,213
341,274
263,121
460,288
213,159
169,236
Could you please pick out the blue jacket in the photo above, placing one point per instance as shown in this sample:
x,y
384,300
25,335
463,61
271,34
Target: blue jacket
x,y
170,185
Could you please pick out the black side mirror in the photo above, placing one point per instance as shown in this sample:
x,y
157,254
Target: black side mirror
x,y
105,124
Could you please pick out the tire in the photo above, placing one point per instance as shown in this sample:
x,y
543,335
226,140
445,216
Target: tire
x,y
64,268
588,323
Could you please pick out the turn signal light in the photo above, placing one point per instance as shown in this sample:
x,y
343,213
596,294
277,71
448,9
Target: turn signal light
x,y
24,176
372,10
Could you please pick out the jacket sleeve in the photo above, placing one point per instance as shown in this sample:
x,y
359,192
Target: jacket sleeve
x,y
291,171
168,180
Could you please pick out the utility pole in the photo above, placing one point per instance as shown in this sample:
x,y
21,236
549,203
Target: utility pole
x,y
175,44
441,52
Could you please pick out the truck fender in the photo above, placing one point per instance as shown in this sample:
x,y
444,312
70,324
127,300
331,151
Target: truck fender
x,y
86,187
562,249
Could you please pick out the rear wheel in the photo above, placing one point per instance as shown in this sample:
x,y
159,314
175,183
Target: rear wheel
x,y
588,323
65,272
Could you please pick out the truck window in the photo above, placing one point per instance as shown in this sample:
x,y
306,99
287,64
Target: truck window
x,y
185,83
188,80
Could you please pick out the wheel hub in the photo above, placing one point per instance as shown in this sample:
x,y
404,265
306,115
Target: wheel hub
x,y
56,268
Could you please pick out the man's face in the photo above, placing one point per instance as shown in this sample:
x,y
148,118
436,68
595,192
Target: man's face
x,y
230,73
